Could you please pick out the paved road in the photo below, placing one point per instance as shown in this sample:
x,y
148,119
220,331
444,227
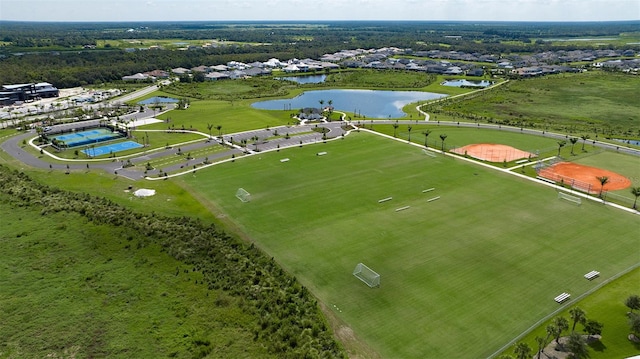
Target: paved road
x,y
301,134
558,136
267,139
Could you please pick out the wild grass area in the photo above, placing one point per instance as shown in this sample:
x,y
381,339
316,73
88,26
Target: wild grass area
x,y
72,288
509,244
597,103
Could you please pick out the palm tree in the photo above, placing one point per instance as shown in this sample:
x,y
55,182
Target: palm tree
x,y
584,137
409,129
209,127
395,128
443,137
635,191
541,344
578,316
577,346
426,136
573,141
561,324
560,145
603,181
219,128
522,351
321,104
330,102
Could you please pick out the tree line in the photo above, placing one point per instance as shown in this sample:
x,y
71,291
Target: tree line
x,y
291,324
55,53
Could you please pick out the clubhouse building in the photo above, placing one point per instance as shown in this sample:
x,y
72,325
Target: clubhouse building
x,y
10,94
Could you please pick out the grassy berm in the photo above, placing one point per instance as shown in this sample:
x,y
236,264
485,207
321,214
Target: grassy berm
x,y
82,277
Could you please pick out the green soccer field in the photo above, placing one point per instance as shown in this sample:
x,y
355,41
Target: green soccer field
x,y
461,275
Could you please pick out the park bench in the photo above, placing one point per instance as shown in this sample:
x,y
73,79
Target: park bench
x,y
591,275
562,297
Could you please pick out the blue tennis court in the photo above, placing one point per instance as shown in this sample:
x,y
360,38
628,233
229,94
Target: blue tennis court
x,y
112,148
88,137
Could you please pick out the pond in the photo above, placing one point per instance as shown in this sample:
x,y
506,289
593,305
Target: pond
x,y
368,103
467,83
158,99
306,79
629,142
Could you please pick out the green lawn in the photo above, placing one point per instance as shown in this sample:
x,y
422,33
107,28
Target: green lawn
x,y
461,275
607,307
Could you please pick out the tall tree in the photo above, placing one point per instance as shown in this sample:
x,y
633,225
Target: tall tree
x,y
603,181
426,137
593,327
209,127
409,128
633,302
578,316
635,191
560,145
584,137
561,324
573,141
578,346
395,128
443,137
541,344
522,351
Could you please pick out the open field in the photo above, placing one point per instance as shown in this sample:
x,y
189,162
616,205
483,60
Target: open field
x,y
599,100
72,288
461,275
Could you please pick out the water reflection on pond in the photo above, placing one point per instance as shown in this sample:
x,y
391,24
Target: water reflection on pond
x,y
467,83
368,103
306,79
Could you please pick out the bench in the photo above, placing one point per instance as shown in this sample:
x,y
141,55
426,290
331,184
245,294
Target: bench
x,y
284,160
591,275
562,297
546,179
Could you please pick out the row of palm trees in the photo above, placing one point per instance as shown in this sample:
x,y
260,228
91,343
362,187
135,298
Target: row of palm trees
x,y
576,343
573,141
426,134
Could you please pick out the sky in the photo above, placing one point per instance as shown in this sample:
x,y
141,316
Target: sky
x,y
304,10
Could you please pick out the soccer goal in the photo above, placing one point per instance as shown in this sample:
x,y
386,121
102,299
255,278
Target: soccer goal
x,y
567,197
243,195
428,153
367,275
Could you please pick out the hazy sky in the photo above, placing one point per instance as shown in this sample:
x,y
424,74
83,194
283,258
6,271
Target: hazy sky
x,y
221,10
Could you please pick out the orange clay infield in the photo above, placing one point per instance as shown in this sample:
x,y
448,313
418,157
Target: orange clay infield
x,y
568,171
493,152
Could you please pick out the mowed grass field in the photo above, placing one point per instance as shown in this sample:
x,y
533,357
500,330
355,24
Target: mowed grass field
x,y
461,275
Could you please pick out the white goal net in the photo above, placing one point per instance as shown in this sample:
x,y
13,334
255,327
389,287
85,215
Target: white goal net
x,y
567,197
243,195
367,275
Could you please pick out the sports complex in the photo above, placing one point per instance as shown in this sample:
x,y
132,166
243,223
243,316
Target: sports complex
x,y
469,257
467,243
